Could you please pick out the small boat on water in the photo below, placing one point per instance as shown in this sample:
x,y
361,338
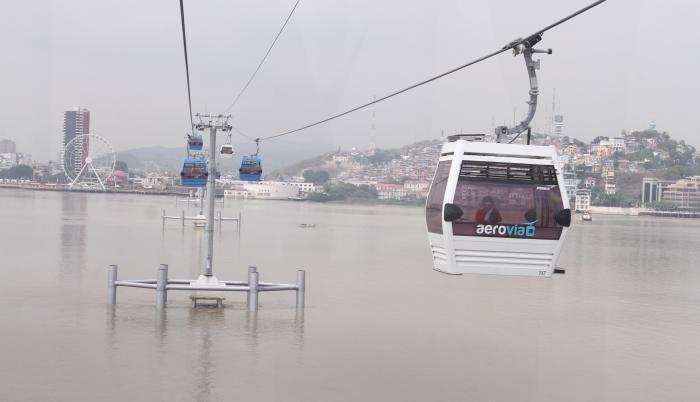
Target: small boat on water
x,y
307,225
586,217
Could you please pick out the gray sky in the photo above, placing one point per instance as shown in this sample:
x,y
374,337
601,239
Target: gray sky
x,y
618,66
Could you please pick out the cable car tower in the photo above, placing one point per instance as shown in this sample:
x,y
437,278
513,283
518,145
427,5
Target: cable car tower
x,y
213,123
207,282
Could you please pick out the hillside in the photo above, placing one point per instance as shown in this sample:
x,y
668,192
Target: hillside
x,y
275,155
366,164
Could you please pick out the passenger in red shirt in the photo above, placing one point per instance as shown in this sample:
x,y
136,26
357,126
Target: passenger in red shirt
x,y
488,213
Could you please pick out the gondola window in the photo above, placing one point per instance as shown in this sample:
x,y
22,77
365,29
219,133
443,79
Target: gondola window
x,y
508,200
433,209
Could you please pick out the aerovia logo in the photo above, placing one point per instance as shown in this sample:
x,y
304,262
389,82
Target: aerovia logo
x,y
526,230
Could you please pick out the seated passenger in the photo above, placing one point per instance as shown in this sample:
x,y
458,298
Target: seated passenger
x,y
488,213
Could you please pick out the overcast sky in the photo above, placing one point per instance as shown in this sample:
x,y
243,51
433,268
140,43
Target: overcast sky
x,y
617,66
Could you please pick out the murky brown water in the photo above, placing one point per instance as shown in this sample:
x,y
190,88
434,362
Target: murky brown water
x,y
622,325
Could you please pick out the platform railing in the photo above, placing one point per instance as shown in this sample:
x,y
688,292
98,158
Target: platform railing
x,y
162,284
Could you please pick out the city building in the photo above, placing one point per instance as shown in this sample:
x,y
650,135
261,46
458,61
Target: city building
x,y
416,185
7,147
341,158
570,184
557,125
267,190
685,194
653,189
589,182
8,160
118,179
75,122
583,200
304,187
609,180
388,191
618,144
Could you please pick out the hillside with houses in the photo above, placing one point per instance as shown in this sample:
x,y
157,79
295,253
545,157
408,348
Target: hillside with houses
x,y
608,171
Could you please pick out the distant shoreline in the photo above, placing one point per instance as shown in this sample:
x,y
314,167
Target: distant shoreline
x,y
59,188
78,190
598,210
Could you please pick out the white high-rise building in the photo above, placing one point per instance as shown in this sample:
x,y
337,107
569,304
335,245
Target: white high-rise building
x,y
557,124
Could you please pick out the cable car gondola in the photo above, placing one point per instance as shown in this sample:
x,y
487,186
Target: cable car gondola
x,y
194,173
194,142
497,208
251,168
226,151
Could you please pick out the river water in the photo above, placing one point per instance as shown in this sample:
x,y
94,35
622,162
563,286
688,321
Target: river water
x,y
623,324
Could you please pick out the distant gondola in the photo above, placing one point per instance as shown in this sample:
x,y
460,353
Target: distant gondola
x,y
226,151
251,168
194,173
194,142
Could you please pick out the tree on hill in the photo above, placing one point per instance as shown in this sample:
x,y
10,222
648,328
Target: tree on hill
x,y
648,133
316,176
382,156
121,165
629,186
18,172
343,191
611,200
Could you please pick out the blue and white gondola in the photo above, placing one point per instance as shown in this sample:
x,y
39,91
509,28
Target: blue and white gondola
x,y
195,142
194,173
251,168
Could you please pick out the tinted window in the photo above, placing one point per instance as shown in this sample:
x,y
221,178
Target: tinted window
x,y
436,196
508,200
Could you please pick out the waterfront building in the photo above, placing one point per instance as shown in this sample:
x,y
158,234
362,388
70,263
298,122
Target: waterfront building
x,y
653,189
266,190
7,147
388,191
583,200
685,194
304,187
75,122
154,182
416,185
118,179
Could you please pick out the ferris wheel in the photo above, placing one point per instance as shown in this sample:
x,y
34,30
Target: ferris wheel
x,y
88,161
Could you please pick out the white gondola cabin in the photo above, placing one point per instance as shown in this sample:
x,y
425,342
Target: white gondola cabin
x,y
496,208
226,151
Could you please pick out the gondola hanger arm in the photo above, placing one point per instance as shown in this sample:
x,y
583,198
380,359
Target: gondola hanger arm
x,y
525,47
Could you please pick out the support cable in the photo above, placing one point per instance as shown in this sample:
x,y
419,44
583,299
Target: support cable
x,y
514,44
263,59
187,65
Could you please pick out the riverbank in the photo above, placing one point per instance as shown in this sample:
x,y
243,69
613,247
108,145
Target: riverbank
x,y
184,191
63,188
